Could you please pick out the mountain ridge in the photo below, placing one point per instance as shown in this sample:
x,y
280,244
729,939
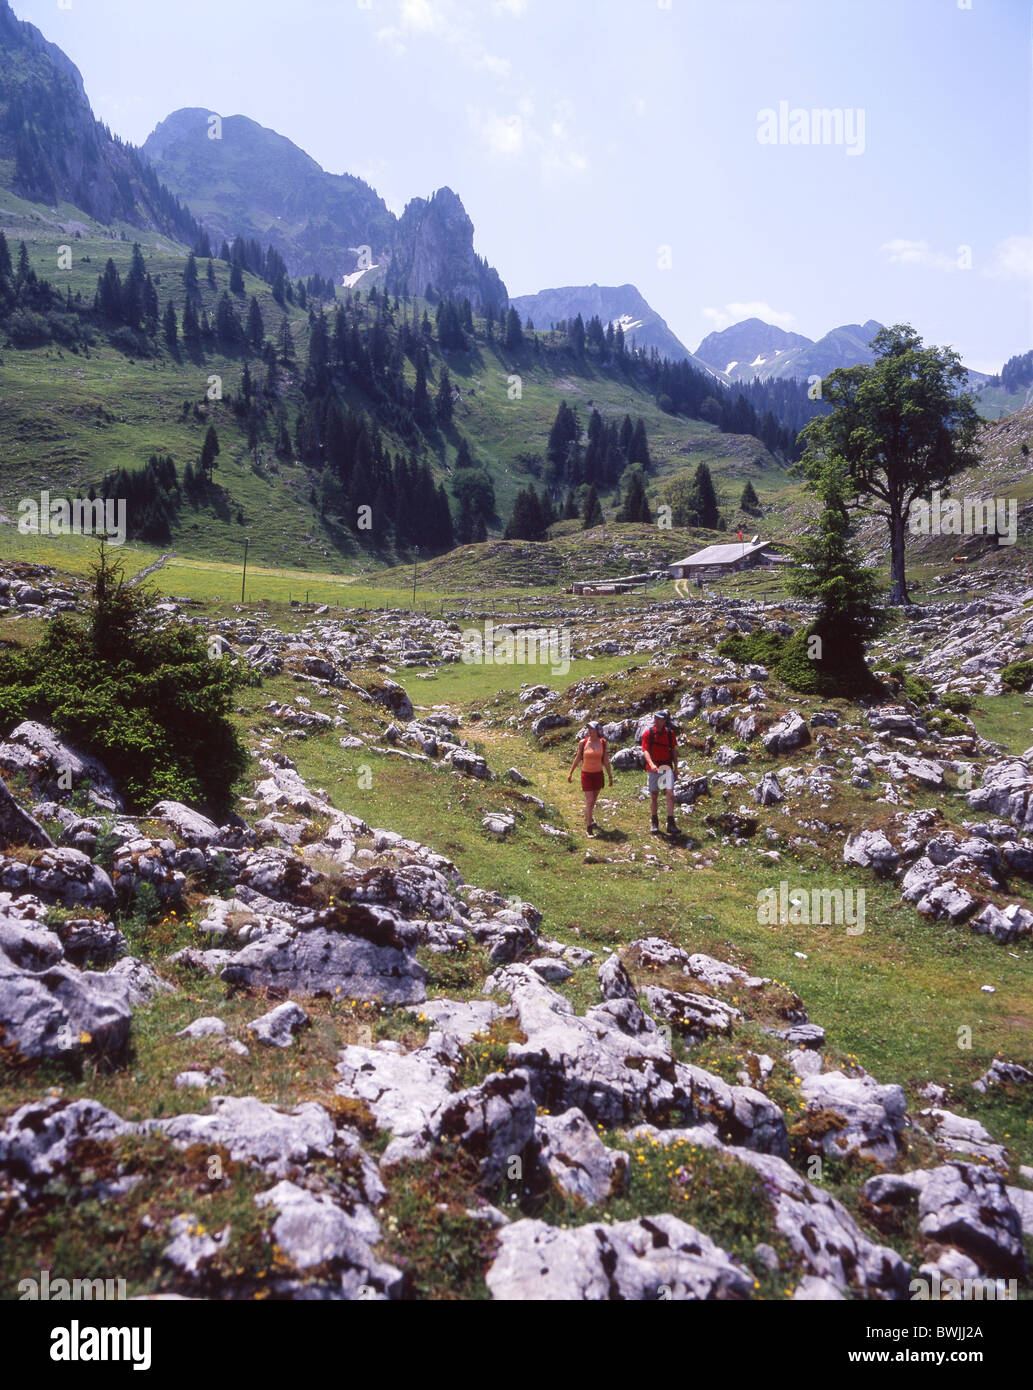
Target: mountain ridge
x,y
58,151
243,178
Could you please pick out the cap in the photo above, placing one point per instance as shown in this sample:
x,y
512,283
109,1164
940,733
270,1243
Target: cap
x,y
593,724
661,714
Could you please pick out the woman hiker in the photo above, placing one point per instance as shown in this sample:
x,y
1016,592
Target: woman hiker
x,y
659,746
593,756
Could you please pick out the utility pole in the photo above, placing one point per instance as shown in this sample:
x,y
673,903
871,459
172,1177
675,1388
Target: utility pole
x,y
415,561
243,577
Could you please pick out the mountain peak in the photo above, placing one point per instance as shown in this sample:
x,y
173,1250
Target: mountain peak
x,y
59,151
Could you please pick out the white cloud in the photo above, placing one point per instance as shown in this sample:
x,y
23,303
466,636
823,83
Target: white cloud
x,y
420,14
1012,259
498,67
517,8
755,309
901,251
503,135
517,134
452,22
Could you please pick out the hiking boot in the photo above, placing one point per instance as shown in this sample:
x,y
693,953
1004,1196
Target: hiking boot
x,y
654,827
590,829
672,826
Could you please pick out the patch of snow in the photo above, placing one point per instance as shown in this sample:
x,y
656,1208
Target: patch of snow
x,y
350,281
730,366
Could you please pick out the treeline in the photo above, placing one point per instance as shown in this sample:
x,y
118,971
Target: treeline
x,y
601,458
37,122
1016,374
32,312
152,495
772,411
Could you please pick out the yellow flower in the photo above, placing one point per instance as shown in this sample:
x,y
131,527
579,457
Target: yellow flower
x,y
85,1038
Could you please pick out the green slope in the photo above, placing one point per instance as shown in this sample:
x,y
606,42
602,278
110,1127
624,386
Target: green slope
x,y
70,417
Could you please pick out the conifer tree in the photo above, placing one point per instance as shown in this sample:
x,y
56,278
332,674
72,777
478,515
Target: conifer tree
x,y
828,569
209,450
593,511
749,501
170,326
514,338
705,499
636,507
444,404
255,326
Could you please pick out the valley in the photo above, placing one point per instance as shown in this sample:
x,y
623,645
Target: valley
x,y
318,981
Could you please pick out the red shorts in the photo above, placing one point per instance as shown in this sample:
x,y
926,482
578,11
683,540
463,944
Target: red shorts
x,y
593,781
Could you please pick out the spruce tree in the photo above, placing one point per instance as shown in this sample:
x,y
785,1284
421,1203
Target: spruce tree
x,y
828,570
255,326
636,506
705,499
593,511
639,449
749,501
209,450
570,511
443,528
170,326
422,408
514,338
286,342
236,280
190,274
444,405
191,326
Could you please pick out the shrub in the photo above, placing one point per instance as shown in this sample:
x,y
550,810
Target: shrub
x,y
1017,675
760,647
957,704
915,688
130,342
139,693
27,329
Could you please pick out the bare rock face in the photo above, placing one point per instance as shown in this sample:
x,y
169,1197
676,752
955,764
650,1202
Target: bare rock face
x,y
434,246
651,1258
374,960
65,877
790,732
54,768
1005,792
49,1008
17,827
863,1116
577,1160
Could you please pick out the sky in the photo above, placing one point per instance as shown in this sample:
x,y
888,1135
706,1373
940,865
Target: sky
x,y
675,144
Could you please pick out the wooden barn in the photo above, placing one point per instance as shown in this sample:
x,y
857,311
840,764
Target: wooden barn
x,y
716,560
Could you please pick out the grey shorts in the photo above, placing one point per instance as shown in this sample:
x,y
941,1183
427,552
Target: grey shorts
x,y
660,781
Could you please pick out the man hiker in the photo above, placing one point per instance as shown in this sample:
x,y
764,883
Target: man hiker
x,y
658,744
593,756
